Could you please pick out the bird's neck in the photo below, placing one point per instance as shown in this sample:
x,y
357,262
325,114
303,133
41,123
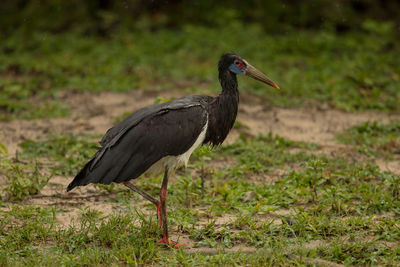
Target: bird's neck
x,y
223,110
229,83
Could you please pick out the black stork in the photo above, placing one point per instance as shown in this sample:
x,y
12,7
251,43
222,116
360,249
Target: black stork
x,y
160,138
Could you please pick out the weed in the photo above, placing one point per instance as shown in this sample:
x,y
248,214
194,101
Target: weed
x,y
3,149
260,155
24,178
70,152
374,138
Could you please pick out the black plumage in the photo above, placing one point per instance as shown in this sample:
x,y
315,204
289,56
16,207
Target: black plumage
x,y
166,134
134,145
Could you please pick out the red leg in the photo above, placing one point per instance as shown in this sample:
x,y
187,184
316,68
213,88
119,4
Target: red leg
x,y
159,216
161,207
146,196
163,220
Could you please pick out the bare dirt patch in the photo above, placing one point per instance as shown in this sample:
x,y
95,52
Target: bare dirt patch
x,y
304,124
390,166
95,113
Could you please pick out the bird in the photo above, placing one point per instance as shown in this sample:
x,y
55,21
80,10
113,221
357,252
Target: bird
x,y
160,138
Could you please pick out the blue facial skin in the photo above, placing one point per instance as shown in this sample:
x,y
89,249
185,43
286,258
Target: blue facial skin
x,y
235,69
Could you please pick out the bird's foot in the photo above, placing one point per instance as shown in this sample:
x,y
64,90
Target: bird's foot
x,y
165,241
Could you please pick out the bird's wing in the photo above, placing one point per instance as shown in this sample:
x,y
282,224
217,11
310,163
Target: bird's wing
x,y
168,130
113,133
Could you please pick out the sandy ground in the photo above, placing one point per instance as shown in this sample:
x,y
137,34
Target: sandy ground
x,y
95,113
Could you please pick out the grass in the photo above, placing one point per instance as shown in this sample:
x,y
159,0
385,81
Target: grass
x,y
374,138
67,151
40,160
355,71
24,178
350,207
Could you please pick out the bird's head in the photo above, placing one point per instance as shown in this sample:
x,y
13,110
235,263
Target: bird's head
x,y
238,65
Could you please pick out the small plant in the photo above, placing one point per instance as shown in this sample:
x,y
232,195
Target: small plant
x,y
3,149
161,99
109,188
70,152
122,117
209,236
24,179
264,153
314,176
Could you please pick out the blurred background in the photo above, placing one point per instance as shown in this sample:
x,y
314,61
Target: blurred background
x,y
342,54
102,17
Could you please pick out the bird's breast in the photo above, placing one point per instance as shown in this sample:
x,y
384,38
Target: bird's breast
x,y
174,162
184,158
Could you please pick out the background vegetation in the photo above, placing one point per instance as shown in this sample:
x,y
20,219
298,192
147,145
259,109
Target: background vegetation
x,y
103,16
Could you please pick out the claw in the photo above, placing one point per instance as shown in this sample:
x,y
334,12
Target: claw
x,y
165,241
177,246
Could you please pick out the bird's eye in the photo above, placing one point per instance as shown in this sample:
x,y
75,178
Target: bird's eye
x,y
239,64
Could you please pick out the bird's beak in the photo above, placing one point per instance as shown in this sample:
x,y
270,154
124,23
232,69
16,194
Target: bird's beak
x,y
258,75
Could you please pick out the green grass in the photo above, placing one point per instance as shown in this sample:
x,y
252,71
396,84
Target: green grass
x,y
69,152
42,159
24,178
350,207
355,71
374,138
265,152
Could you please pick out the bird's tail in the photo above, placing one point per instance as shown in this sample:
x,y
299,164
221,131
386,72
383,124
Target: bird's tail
x,y
81,177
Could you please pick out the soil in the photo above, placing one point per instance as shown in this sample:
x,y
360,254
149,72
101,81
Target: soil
x,y
95,113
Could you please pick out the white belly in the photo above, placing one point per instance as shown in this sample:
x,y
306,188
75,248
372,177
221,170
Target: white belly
x,y
173,162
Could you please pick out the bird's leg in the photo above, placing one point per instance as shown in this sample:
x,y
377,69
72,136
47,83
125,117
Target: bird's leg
x,y
148,197
163,200
141,192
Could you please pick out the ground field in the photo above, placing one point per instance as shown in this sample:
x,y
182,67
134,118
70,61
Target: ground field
x,y
214,226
